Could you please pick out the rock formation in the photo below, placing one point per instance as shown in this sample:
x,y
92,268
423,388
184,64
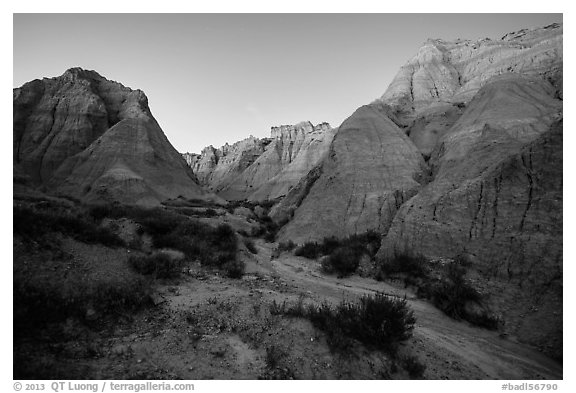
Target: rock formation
x,y
442,99
371,169
262,169
82,135
428,91
486,117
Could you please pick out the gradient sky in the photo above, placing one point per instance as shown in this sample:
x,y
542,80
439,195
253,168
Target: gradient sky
x,y
216,78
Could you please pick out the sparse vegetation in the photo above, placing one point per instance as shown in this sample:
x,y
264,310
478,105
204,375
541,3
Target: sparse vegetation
x,y
234,268
158,265
343,255
268,229
196,212
446,286
33,224
369,242
404,263
378,321
413,366
38,302
276,366
453,294
310,250
286,246
343,261
212,246
274,356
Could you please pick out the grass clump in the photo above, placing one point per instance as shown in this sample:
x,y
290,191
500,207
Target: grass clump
x,y
158,265
277,363
274,356
377,321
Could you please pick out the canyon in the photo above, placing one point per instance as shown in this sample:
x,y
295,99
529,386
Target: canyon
x,y
459,161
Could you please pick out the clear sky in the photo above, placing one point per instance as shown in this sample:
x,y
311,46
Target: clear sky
x,y
216,78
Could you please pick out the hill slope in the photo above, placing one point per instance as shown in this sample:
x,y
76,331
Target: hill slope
x,y
82,135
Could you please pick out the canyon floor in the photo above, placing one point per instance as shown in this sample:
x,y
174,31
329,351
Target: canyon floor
x,y
204,325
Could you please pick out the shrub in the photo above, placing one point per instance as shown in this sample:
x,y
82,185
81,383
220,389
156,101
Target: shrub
x,y
310,250
210,212
195,212
212,246
37,303
277,308
234,268
158,265
34,224
356,245
277,365
404,263
274,356
453,292
378,321
268,229
155,221
286,246
343,261
250,246
295,310
413,366
484,319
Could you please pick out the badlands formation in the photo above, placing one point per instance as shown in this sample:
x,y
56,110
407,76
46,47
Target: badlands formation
x,y
263,169
96,140
461,156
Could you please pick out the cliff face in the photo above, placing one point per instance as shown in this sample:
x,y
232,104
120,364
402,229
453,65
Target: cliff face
x,y
462,155
94,139
261,169
488,183
371,168
442,99
428,91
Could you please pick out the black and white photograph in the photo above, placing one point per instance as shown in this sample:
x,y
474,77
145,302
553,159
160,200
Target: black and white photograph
x,y
287,196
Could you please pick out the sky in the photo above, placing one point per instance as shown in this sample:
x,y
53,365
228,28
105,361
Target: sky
x,y
217,78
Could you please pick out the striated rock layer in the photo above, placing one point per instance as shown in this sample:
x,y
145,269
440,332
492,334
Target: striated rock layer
x,y
82,135
371,169
486,117
428,91
496,198
442,99
263,169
